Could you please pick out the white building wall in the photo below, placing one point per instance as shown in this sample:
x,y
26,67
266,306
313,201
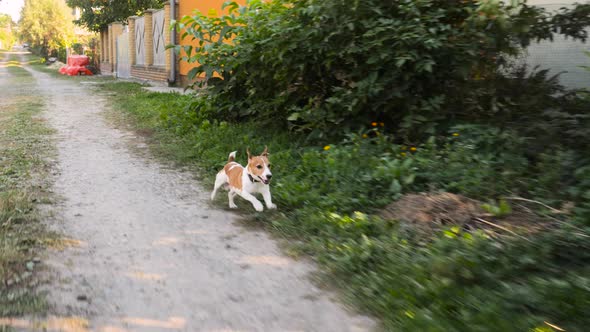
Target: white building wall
x,y
561,55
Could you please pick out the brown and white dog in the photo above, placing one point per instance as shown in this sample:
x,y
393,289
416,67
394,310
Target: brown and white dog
x,y
246,181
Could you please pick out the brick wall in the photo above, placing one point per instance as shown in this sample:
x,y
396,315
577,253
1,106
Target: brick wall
x,y
105,68
146,70
108,49
150,73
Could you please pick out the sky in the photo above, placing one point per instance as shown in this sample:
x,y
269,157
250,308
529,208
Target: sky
x,y
12,8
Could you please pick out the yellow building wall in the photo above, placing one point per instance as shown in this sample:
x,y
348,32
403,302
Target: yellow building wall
x,y
186,7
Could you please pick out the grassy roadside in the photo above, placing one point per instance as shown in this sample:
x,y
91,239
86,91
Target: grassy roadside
x,y
38,65
24,149
327,194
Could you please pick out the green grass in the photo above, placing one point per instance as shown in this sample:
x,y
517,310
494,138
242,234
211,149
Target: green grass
x,y
24,148
453,281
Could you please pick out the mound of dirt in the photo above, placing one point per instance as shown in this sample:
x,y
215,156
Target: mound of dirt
x,y
441,209
432,211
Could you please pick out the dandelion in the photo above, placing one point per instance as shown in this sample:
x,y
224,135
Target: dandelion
x,y
455,134
326,148
404,148
374,124
365,135
413,149
403,154
381,124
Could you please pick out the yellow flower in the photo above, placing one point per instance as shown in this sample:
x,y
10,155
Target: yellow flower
x,y
404,148
455,134
413,149
327,147
374,124
403,154
212,12
382,124
365,135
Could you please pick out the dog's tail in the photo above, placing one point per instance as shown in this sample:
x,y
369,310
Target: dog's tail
x,y
232,157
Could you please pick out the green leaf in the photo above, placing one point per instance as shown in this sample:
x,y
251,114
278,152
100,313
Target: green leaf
x,y
395,187
193,72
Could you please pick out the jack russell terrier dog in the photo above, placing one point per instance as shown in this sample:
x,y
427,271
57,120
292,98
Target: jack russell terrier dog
x,y
245,181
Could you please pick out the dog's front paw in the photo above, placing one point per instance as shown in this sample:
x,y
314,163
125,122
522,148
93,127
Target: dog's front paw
x,y
272,206
258,207
233,206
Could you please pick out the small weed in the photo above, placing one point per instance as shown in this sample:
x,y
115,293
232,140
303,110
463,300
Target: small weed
x,y
501,209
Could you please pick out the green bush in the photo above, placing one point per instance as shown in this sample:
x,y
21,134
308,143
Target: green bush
x,y
357,174
477,161
327,67
423,68
78,48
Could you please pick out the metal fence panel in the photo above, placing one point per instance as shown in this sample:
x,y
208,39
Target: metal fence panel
x,y
123,61
140,41
159,44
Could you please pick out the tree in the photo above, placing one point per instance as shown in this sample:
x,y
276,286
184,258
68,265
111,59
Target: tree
x,y
97,14
47,25
6,31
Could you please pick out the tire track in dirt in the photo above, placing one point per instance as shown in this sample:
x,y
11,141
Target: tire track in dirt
x,y
147,252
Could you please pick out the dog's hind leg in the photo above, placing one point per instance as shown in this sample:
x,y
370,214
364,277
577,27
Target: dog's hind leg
x,y
230,195
220,180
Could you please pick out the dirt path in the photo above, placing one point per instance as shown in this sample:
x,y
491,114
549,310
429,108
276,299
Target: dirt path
x,y
148,252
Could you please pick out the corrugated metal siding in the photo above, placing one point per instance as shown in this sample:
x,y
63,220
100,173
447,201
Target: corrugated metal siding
x,y
561,55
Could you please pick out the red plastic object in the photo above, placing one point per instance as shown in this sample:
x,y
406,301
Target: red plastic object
x,y
76,66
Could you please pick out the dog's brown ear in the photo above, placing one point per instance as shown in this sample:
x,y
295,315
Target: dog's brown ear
x,y
248,152
265,152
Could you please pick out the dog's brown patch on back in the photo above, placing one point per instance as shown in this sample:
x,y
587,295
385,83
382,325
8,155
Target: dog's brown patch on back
x,y
234,172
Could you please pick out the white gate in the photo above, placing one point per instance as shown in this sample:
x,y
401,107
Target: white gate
x,y
123,61
139,41
159,47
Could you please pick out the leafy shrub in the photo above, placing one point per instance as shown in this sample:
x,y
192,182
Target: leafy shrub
x,y
581,194
78,48
477,161
358,174
327,66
